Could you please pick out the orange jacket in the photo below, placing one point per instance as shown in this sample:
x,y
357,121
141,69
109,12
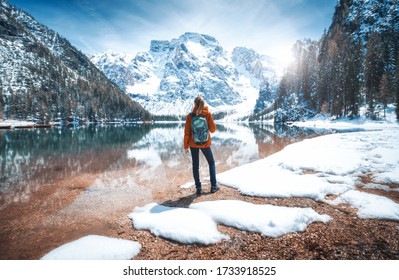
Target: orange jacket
x,y
188,139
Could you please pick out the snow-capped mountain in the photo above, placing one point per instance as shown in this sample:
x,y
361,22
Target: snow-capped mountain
x,y
166,79
43,77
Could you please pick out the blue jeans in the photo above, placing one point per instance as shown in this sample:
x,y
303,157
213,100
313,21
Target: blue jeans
x,y
211,162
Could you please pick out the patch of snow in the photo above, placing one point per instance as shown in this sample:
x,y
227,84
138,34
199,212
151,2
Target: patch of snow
x,y
198,223
95,247
370,205
148,87
388,176
269,220
15,123
379,187
199,51
183,225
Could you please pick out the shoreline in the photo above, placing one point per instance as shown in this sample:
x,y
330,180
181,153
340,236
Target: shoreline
x,y
44,225
345,237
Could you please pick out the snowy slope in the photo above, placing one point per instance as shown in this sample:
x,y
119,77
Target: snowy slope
x,y
19,57
370,16
43,77
114,66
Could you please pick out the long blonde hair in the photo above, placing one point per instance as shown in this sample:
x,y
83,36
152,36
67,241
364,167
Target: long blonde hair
x,y
200,103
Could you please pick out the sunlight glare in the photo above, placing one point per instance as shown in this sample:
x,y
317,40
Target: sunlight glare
x,y
283,55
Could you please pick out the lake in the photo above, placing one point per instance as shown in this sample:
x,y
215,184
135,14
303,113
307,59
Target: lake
x,y
154,154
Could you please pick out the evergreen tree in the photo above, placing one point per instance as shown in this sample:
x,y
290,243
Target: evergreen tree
x,y
1,102
324,84
396,85
352,77
297,94
374,68
264,93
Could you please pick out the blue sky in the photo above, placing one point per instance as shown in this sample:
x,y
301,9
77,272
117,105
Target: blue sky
x,y
268,26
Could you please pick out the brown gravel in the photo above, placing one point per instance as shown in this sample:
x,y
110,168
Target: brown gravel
x,y
344,237
30,228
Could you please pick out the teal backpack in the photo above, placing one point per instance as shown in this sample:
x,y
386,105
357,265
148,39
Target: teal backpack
x,y
199,129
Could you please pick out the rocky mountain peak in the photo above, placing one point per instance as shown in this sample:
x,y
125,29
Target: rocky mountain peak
x,y
172,73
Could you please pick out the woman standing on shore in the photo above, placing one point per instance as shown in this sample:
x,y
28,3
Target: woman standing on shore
x,y
195,121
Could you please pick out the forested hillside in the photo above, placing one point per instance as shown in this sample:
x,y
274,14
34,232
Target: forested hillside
x,y
353,67
43,77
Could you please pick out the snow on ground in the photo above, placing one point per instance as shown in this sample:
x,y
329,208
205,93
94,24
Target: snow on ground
x,y
95,247
320,166
198,224
179,224
379,187
15,123
322,121
268,220
370,205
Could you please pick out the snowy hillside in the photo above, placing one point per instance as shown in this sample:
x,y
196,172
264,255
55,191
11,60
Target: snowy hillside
x,y
114,66
43,78
369,16
166,79
353,66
